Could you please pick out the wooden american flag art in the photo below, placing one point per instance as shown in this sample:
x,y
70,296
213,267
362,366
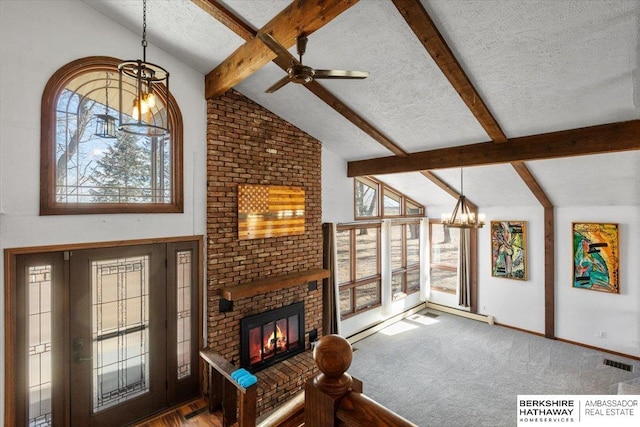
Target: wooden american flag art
x,y
270,211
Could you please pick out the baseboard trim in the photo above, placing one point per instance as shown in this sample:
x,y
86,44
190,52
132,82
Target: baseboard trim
x,y
526,331
379,326
591,347
474,316
604,350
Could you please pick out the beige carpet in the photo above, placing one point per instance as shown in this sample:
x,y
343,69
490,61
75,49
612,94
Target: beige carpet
x,y
440,370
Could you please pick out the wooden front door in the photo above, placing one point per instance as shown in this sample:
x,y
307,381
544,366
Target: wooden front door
x,y
117,337
103,336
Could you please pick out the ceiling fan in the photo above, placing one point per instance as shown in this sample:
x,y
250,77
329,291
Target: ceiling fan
x,y
299,73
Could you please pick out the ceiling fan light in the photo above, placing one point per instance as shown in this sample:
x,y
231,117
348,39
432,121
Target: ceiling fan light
x,y
300,73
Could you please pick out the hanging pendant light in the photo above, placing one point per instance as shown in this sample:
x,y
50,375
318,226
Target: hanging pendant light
x,y
149,81
106,123
462,215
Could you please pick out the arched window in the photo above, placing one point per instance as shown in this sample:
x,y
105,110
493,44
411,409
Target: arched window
x,y
87,165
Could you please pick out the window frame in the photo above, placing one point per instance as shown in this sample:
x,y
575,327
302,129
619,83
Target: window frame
x,y
439,265
381,190
353,284
52,91
405,269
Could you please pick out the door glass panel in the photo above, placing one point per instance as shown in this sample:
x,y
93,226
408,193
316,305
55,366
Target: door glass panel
x,y
184,313
120,330
39,327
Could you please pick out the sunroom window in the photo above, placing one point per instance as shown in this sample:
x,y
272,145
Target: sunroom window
x,y
374,199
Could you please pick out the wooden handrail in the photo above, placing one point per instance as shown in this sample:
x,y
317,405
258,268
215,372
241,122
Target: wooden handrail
x,y
290,414
358,410
334,398
226,393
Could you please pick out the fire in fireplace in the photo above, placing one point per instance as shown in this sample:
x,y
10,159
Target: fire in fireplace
x,y
270,337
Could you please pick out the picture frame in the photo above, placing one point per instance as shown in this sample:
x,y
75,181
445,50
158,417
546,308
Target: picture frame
x,y
270,211
509,249
596,256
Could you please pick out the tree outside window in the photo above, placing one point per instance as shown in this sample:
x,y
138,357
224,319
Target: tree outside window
x,y
88,170
444,257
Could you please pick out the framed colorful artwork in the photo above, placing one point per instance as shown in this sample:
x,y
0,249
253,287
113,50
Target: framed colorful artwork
x,y
596,257
509,249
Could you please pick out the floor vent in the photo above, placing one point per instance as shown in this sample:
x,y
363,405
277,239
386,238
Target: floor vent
x,y
619,365
433,315
195,413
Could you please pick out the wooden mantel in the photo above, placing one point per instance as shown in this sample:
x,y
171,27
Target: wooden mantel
x,y
271,283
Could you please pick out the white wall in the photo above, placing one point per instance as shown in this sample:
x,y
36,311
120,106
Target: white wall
x,y
337,189
36,39
518,303
583,314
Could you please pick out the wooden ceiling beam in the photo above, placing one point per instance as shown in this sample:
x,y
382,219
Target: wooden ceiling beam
x,y
321,92
422,25
226,17
613,137
248,32
301,16
532,183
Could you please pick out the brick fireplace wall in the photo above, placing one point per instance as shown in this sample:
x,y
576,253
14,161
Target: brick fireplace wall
x,y
247,144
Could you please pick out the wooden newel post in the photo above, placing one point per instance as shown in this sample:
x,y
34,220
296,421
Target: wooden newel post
x,y
323,393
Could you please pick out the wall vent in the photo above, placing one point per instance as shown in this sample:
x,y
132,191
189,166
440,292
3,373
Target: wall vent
x,y
619,365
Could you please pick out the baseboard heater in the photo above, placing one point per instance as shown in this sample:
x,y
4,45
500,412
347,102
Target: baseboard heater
x,y
479,317
390,321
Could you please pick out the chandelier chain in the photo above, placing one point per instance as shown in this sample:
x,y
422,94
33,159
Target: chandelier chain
x,y
144,30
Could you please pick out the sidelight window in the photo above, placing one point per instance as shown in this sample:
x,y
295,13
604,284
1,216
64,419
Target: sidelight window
x,y
39,351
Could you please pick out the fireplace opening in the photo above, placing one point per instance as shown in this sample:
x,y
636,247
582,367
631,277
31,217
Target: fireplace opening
x,y
270,337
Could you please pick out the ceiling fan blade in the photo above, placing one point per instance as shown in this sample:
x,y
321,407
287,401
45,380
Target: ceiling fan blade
x,y
276,47
277,85
340,74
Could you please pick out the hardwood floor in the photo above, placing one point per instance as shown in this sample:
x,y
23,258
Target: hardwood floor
x,y
190,414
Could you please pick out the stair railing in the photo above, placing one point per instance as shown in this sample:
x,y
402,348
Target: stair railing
x,y
334,398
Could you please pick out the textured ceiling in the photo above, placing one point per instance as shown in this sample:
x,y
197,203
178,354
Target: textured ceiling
x,y
540,66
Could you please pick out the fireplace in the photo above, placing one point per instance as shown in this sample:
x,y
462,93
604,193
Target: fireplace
x,y
272,336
